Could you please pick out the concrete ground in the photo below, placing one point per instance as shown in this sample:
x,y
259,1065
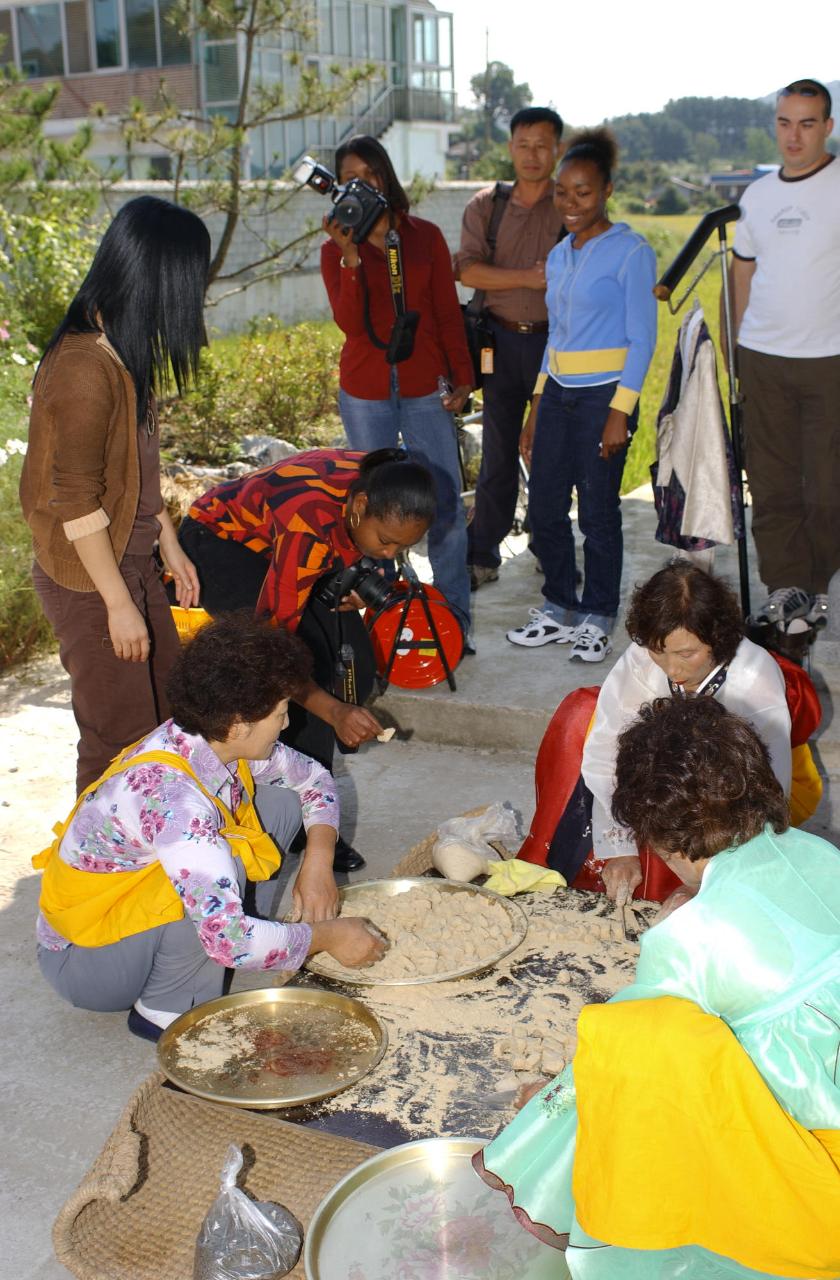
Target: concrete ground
x,y
66,1073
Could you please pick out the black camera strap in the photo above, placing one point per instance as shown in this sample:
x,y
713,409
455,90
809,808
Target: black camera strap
x,y
405,321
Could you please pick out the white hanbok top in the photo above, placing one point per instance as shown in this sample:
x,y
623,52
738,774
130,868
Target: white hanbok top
x,y
754,689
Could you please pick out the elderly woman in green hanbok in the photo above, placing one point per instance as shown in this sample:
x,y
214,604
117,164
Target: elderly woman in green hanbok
x,y
697,1133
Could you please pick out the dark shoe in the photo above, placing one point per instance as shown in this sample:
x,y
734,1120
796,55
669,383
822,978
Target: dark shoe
x,y
140,1026
480,574
346,857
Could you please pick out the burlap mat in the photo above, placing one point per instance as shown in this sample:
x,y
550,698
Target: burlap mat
x,y
138,1211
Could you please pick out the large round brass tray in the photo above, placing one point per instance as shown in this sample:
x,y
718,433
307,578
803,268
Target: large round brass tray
x,y
390,889
279,1047
420,1209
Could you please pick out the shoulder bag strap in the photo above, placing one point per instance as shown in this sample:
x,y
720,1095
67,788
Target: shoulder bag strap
x,y
501,195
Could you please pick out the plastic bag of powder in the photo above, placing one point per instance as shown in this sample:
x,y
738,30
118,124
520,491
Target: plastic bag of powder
x,y
497,822
243,1239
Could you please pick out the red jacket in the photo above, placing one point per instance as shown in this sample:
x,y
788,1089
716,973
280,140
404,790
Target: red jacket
x,y
439,346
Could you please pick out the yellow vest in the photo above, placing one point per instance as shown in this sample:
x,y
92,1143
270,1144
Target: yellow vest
x,y
94,909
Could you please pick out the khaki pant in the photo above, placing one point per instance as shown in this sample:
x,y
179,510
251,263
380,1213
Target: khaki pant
x,y
114,702
792,437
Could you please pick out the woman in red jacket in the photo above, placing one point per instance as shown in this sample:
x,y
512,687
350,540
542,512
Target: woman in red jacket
x,y
380,402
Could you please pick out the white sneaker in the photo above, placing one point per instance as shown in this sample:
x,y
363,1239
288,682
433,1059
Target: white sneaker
x,y
542,629
817,615
782,606
591,644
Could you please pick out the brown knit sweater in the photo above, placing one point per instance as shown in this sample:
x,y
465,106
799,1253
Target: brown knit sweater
x,y
81,472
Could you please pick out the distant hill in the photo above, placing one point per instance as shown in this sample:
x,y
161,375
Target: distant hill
x,y
833,87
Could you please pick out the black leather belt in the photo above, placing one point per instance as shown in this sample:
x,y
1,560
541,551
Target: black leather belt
x,y
520,326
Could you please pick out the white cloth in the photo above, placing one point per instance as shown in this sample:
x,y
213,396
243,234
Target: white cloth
x,y
690,440
791,227
754,689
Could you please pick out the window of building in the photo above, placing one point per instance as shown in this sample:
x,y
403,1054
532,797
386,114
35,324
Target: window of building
x,y
324,21
141,34
7,52
175,44
106,26
341,26
221,73
378,44
78,36
39,40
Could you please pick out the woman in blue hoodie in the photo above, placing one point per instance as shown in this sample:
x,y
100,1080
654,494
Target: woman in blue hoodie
x,y
602,334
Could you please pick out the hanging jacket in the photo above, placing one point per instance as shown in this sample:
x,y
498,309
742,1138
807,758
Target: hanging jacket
x,y
694,478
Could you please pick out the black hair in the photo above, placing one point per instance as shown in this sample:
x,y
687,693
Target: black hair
x,y
145,289
395,486
377,159
526,116
683,595
599,146
235,669
811,89
692,778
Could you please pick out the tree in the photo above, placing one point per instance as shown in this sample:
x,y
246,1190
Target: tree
x,y
212,146
761,148
497,98
49,194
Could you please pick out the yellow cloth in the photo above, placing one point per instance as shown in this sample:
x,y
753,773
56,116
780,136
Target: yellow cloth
x,y
95,909
516,876
672,1112
806,785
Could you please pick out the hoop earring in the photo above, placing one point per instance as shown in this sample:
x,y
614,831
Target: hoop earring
x,y
355,519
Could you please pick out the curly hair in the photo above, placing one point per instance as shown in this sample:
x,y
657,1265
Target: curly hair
x,y
598,145
681,595
692,778
235,669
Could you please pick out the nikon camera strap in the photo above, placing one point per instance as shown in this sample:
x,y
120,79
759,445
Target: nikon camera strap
x,y
401,341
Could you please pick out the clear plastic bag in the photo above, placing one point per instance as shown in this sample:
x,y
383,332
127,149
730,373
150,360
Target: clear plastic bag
x,y
243,1239
463,844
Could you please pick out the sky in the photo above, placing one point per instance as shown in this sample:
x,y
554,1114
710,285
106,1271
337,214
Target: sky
x,y
634,58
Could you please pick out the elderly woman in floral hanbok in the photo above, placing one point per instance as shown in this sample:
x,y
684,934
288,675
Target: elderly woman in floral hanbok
x,y
141,902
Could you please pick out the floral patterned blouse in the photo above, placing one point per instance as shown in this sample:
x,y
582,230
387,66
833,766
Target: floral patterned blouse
x,y
153,811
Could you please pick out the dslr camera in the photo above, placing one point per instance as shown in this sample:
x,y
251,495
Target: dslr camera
x,y
362,576
356,204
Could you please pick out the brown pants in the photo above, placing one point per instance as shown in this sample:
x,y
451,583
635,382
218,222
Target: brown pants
x,y
114,702
792,437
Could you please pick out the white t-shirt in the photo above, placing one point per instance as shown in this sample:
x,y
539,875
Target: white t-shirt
x,y
791,228
754,689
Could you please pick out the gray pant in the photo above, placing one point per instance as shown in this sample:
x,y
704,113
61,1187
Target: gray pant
x,y
165,967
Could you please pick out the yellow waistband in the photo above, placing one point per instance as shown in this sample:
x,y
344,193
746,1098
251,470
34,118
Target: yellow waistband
x,y
607,360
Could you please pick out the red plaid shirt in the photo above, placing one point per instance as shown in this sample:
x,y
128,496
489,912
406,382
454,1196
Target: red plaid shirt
x,y
291,512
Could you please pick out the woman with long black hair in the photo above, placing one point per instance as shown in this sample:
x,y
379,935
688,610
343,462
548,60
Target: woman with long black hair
x,y
379,401
90,488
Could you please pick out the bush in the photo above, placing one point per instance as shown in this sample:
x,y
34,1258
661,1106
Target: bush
x,y
276,382
45,251
23,627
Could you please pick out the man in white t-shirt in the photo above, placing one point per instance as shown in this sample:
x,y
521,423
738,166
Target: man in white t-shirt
x,y
786,289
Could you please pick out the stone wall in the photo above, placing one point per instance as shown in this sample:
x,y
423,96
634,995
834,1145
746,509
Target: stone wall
x,y
299,295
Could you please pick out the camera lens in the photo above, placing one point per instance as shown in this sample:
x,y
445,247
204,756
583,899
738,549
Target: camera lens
x,y
349,210
373,589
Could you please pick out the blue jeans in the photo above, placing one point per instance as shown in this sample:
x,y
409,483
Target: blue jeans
x,y
428,433
566,456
